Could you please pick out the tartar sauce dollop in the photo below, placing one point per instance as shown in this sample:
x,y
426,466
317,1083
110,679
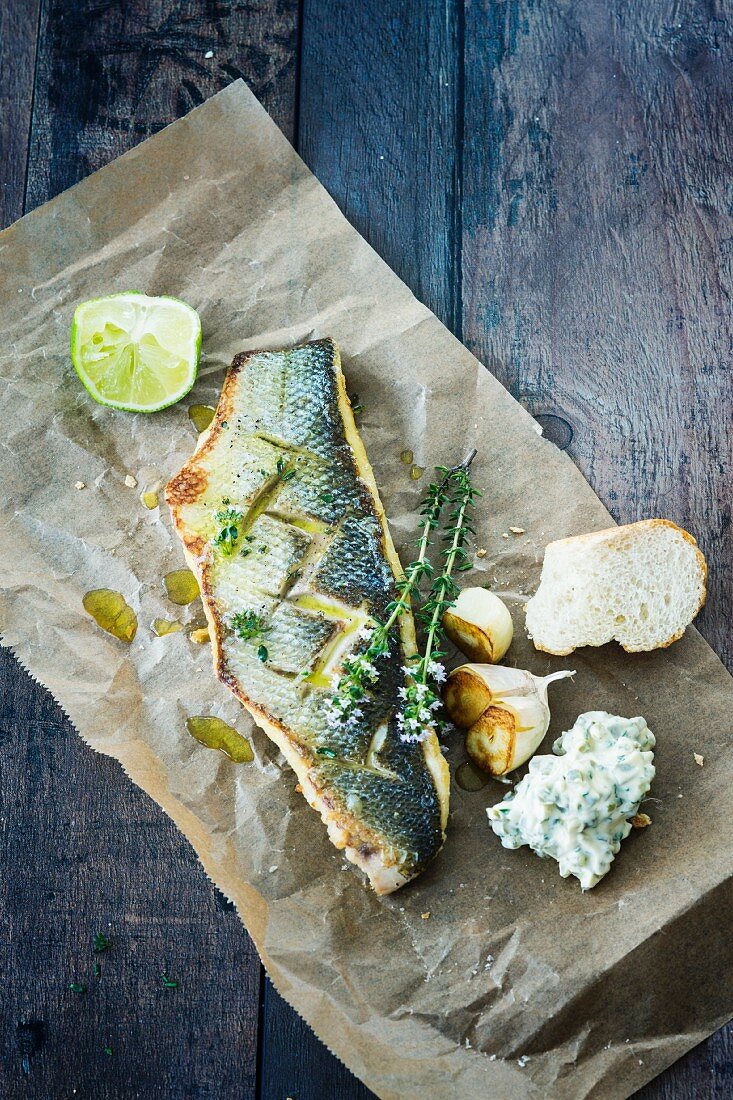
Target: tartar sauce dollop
x,y
575,806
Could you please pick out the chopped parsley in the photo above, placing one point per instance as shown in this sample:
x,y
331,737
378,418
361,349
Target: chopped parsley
x,y
247,624
262,653
284,471
328,497
169,983
326,752
228,532
101,942
77,987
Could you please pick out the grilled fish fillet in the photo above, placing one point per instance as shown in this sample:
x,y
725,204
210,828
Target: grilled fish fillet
x,y
281,521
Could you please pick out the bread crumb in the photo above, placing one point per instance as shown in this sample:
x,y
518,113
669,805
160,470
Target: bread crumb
x,y
640,821
505,535
517,530
481,553
79,485
298,788
130,481
522,1062
200,636
699,759
273,868
425,916
209,54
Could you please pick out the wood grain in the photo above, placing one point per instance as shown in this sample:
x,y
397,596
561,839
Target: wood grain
x,y
553,180
385,141
597,247
596,270
18,32
86,851
111,73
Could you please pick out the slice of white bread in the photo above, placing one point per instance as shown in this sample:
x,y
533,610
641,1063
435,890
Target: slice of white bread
x,y
640,585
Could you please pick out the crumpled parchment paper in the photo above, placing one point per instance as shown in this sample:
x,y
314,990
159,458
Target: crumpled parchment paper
x,y
517,984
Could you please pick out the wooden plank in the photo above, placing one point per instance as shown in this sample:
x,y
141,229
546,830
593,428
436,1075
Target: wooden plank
x,y
18,33
597,232
294,1063
84,850
597,247
110,75
379,124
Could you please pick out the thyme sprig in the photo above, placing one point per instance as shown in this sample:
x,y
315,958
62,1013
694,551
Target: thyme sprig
x,y
420,697
359,672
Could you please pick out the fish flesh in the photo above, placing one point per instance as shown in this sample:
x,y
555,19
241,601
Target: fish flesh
x,y
281,521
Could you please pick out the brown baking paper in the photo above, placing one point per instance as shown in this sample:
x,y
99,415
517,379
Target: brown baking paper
x,y
517,984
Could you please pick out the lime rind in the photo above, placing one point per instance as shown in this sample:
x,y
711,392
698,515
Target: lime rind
x,y
134,352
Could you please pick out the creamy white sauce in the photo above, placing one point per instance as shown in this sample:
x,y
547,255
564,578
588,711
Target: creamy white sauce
x,y
575,806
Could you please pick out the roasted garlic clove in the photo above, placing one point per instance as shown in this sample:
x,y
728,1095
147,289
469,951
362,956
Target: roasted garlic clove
x,y
480,625
505,710
507,735
470,689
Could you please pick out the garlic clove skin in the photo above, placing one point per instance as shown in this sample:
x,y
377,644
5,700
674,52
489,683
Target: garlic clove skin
x,y
505,711
470,689
506,735
480,624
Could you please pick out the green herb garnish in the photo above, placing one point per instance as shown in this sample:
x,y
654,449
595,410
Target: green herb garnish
x,y
285,471
262,653
169,983
361,671
425,670
77,987
101,943
328,497
326,752
247,624
228,532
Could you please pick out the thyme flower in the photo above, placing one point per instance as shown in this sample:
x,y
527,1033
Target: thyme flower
x,y
420,698
360,671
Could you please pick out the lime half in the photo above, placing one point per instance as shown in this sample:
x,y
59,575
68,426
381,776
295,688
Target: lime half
x,y
134,352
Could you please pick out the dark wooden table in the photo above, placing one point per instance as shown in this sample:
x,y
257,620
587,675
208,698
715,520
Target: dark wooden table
x,y
554,180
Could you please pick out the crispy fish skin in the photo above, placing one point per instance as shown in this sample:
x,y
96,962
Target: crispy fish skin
x,y
312,558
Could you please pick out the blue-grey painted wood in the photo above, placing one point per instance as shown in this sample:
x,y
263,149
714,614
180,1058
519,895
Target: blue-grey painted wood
x,y
596,271
552,181
82,850
380,125
18,35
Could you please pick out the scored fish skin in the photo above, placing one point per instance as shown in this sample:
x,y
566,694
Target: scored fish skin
x,y
314,561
